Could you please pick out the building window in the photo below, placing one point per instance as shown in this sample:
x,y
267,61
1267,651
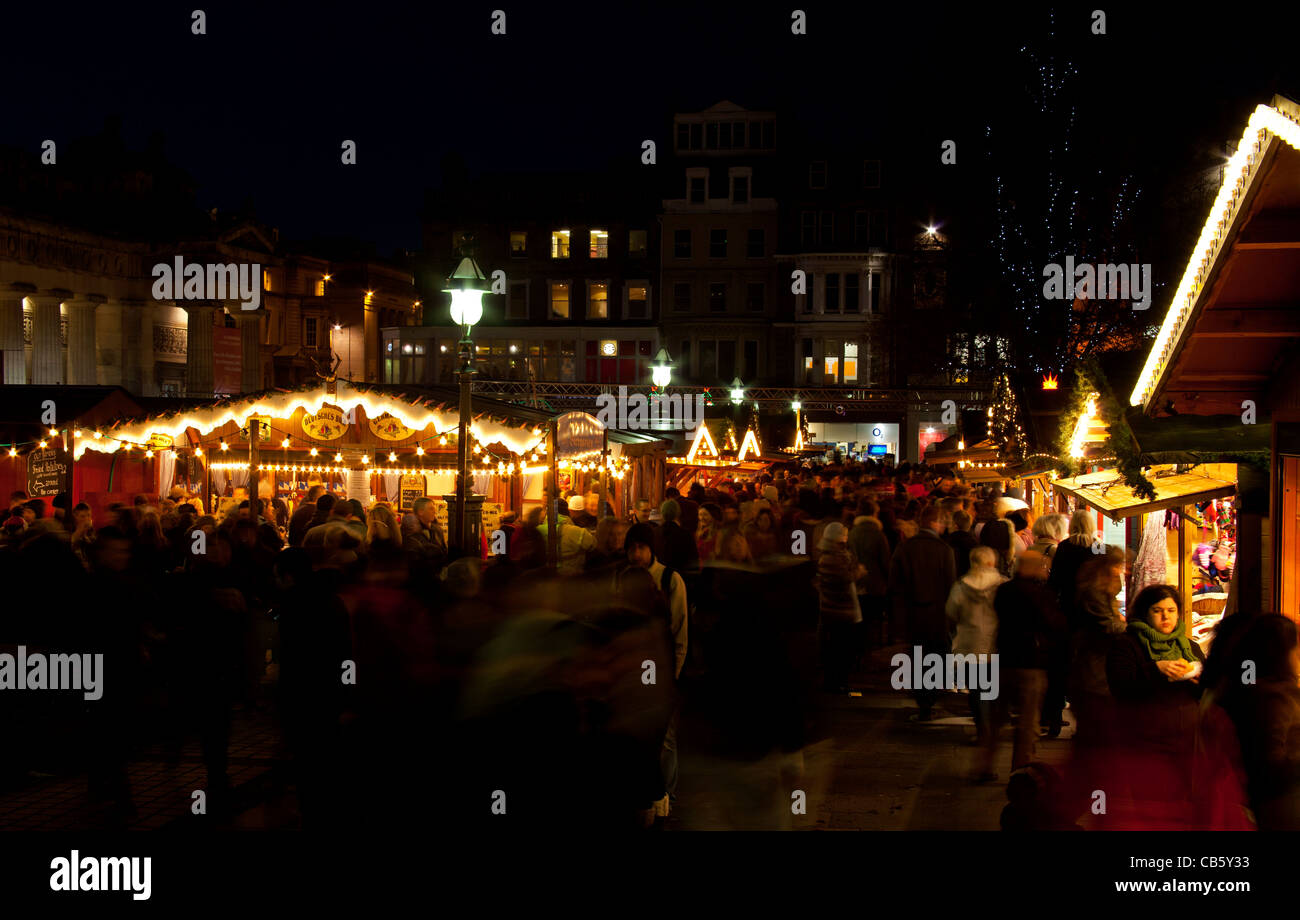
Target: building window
x,y
859,227
711,136
597,300
266,279
699,189
726,359
697,137
309,332
755,243
807,228
750,370
559,244
638,301
871,174
874,280
636,243
879,228
718,244
681,244
832,298
518,243
740,190
851,292
831,368
683,137
717,297
850,362
681,298
517,306
559,300
320,288
826,233
817,174
600,244
754,296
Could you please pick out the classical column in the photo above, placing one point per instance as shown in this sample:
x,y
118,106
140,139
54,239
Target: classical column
x,y
11,332
250,339
129,317
47,347
108,344
145,346
81,340
198,350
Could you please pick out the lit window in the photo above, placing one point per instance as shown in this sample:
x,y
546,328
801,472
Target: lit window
x,y
559,244
851,362
600,244
636,242
518,243
266,280
609,348
832,368
637,301
559,300
320,288
598,300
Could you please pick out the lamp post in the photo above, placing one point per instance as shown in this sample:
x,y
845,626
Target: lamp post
x,y
661,372
466,285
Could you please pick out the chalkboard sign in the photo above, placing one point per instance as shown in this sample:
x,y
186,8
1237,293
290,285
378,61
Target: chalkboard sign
x,y
411,488
46,472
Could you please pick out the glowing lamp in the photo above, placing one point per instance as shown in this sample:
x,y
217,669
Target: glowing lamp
x,y
661,372
467,285
737,390
1050,382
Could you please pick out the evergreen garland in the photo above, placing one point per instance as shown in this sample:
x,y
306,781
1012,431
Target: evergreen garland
x,y
1088,379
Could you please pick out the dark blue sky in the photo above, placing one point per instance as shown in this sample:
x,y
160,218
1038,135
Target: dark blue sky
x,y
259,106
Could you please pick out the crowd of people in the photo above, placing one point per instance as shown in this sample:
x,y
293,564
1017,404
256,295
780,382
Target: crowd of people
x,y
391,662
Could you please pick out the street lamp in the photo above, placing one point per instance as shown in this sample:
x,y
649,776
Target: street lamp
x,y
661,372
737,391
466,285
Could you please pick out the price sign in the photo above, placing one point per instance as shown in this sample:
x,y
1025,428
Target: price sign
x,y
46,472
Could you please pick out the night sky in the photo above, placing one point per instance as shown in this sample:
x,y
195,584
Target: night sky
x,y
259,106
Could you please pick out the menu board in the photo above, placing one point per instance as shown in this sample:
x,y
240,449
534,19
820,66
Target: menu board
x,y
492,516
411,488
46,473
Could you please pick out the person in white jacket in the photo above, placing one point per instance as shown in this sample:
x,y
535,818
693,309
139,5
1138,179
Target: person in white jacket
x,y
970,611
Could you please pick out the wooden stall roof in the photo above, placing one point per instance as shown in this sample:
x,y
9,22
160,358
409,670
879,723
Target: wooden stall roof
x,y
976,453
518,427
1105,490
1233,317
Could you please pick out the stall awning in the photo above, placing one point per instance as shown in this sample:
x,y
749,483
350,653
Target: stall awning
x,y
1106,491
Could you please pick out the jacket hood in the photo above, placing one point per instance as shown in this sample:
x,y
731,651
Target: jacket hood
x,y
981,578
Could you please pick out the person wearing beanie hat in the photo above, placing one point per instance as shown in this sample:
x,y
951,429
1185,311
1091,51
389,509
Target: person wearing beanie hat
x,y
579,514
771,494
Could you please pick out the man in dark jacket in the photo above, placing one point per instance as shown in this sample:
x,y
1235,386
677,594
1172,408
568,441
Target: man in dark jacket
x,y
1030,629
961,540
677,548
921,575
302,517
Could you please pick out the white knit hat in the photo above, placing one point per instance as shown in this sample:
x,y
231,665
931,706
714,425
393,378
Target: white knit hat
x,y
577,503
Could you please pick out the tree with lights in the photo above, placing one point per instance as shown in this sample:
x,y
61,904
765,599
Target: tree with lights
x,y
1006,425
1049,201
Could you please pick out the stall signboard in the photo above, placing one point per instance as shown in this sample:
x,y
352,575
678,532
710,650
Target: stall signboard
x,y
161,441
328,424
46,473
492,516
411,488
440,509
388,428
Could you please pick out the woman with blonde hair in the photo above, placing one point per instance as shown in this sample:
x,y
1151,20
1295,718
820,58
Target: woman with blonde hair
x,y
382,527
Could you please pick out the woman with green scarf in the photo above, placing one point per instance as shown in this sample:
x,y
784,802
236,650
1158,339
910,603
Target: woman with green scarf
x,y
1155,657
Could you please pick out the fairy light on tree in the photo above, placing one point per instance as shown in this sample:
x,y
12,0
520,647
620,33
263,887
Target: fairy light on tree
x,y
1050,202
1006,423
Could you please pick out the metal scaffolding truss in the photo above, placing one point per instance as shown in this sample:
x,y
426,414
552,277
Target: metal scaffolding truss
x,y
570,396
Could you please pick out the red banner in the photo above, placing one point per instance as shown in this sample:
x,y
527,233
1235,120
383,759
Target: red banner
x,y
227,361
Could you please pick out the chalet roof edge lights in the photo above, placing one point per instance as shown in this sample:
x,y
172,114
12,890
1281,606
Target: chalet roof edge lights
x,y
1266,122
518,428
